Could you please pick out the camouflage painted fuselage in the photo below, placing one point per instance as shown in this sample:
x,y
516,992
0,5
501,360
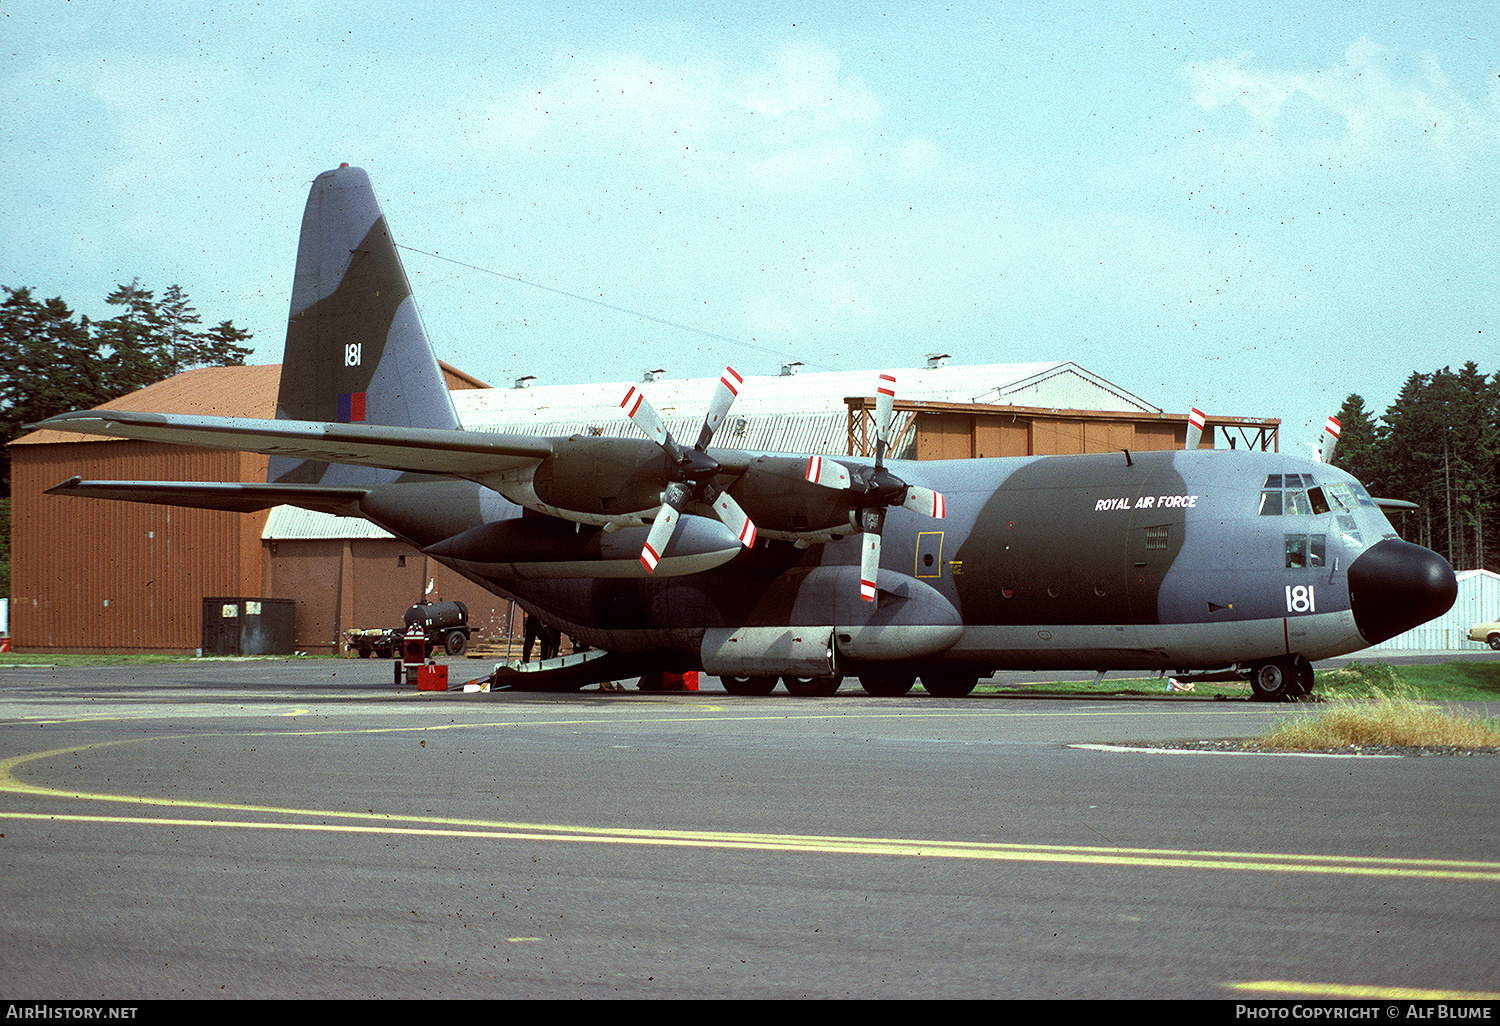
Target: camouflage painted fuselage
x,y
1161,560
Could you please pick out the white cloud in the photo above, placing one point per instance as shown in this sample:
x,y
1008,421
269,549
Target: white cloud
x,y
794,119
831,162
806,80
1376,104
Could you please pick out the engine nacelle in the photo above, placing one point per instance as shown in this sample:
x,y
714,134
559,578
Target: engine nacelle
x,y
544,548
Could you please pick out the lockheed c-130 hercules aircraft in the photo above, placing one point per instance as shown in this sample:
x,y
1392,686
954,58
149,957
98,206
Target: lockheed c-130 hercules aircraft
x,y
671,555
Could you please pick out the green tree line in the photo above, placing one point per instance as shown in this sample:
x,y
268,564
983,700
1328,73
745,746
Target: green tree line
x,y
1438,445
53,361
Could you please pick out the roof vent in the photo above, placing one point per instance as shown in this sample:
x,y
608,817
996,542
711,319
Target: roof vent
x,y
526,381
788,369
936,360
653,375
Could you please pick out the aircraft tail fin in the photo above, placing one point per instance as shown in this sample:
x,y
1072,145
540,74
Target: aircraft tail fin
x,y
356,350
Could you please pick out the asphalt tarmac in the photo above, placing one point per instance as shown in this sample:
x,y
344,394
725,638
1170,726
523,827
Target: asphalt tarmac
x,y
306,829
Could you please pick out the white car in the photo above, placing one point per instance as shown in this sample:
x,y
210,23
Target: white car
x,y
1489,633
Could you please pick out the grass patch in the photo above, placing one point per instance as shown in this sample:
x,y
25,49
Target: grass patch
x,y
1119,686
1461,680
1372,705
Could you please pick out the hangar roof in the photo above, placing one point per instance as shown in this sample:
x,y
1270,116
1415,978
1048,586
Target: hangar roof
x,y
203,391
809,396
803,412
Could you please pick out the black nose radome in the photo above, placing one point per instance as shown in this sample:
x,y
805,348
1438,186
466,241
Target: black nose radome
x,y
1395,586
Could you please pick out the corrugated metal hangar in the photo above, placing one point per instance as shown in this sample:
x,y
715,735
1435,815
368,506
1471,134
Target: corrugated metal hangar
x,y
118,576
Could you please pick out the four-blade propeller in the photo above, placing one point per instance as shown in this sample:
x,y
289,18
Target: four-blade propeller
x,y
692,471
874,489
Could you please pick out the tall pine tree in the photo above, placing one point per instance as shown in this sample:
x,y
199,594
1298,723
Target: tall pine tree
x,y
52,361
1438,445
1356,450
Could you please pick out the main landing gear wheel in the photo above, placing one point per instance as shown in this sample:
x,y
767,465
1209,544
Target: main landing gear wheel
x,y
949,685
1281,680
753,686
812,687
887,685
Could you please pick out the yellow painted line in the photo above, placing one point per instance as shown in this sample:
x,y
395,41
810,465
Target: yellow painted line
x,y
373,822
443,826
1355,992
378,823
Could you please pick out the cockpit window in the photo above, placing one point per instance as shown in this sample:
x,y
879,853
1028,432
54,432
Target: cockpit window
x,y
1293,495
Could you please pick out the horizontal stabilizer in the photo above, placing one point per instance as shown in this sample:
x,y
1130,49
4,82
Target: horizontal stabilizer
x,y
235,498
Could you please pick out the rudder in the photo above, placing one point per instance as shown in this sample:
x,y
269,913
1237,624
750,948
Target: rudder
x,y
356,350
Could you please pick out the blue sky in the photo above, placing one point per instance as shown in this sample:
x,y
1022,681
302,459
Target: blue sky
x,y
1246,207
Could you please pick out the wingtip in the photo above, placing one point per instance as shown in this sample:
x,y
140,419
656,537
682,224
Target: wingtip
x,y
69,485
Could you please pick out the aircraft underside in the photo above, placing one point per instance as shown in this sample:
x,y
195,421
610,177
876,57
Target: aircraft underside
x,y
714,623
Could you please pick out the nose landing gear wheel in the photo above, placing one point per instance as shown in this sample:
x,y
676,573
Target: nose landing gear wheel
x,y
1281,680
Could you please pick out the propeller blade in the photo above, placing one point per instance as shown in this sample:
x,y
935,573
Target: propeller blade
x,y
1330,440
645,417
735,519
885,408
871,522
869,564
662,529
1196,421
718,409
828,473
664,526
926,501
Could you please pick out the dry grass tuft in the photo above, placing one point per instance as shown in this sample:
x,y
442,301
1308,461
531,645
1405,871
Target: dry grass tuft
x,y
1384,716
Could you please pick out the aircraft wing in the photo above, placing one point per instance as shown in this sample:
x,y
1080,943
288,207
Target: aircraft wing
x,y
467,454
236,498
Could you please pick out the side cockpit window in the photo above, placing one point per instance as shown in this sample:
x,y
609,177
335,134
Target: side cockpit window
x,y
1306,550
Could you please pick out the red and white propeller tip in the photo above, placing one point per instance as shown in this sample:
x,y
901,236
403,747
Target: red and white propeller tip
x,y
1330,440
1196,423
